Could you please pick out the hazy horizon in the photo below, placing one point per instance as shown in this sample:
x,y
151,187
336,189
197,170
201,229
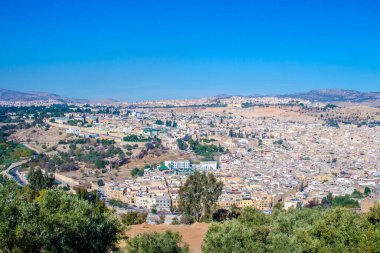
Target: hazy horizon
x,y
178,98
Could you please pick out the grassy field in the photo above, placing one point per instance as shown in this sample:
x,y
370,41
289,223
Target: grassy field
x,y
11,152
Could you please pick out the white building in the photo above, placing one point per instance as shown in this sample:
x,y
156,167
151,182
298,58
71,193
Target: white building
x,y
180,165
146,201
163,203
207,166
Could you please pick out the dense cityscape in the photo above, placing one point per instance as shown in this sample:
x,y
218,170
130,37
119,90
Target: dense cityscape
x,y
189,126
267,152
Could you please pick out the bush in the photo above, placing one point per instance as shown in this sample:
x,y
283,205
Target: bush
x,y
345,201
175,221
136,138
136,172
100,182
186,219
224,214
68,167
162,219
167,242
118,203
133,218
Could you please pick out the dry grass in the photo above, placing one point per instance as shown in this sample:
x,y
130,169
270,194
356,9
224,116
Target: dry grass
x,y
37,136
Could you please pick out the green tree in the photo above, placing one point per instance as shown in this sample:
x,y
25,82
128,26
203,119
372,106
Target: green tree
x,y
357,194
327,201
345,201
340,230
289,230
38,181
133,218
153,210
168,123
53,221
297,230
136,172
100,182
253,217
2,179
181,144
199,194
167,242
374,215
92,197
159,122
100,163
367,191
117,203
233,236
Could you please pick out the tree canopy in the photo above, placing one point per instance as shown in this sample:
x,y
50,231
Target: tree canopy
x,y
167,242
38,181
199,194
305,230
51,220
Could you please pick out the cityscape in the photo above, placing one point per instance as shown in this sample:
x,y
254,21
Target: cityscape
x,y
189,126
266,151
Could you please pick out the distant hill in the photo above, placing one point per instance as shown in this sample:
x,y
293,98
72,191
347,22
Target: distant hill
x,y
336,95
12,96
103,101
327,95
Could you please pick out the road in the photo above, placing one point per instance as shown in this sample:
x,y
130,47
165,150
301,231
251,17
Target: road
x,y
10,172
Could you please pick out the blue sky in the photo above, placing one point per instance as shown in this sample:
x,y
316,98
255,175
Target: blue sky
x,y
133,50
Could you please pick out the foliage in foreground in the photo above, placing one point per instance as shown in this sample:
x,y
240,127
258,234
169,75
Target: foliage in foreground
x,y
167,242
306,230
53,221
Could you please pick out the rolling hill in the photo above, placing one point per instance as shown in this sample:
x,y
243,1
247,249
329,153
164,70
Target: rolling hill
x,y
336,95
17,96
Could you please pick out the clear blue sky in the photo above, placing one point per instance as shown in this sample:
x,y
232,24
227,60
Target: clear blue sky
x,y
132,50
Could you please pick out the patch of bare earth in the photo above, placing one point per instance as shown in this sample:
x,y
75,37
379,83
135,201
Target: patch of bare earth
x,y
278,112
38,137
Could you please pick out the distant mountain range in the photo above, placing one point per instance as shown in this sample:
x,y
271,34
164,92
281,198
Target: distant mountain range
x,y
12,96
336,95
328,95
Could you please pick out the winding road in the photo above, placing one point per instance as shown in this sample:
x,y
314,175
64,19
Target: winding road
x,y
11,172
